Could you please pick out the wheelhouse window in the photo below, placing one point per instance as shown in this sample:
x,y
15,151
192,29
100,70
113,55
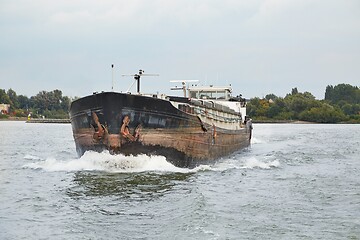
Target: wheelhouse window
x,y
215,95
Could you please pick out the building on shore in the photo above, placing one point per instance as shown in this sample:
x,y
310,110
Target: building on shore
x,y
4,108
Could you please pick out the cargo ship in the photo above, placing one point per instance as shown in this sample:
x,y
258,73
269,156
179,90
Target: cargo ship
x,y
204,124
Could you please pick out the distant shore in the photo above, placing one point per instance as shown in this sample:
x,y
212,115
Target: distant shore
x,y
283,121
295,122
65,121
36,120
21,119
48,120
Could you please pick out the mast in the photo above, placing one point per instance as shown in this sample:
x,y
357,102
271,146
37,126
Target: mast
x,y
183,82
137,77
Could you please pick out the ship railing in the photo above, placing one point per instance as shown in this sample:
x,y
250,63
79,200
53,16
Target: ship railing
x,y
213,105
217,117
211,110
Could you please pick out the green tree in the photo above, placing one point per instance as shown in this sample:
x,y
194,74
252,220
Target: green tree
x,y
294,91
4,98
24,102
258,107
41,101
351,109
345,92
271,97
51,104
304,106
323,114
273,111
14,99
65,103
252,106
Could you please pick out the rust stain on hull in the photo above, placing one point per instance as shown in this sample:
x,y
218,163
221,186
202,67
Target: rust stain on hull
x,y
150,126
192,145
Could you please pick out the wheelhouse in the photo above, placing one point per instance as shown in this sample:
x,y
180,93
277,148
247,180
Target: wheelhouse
x,y
211,93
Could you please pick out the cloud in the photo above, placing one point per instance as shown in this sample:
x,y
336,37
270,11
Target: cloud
x,y
70,18
266,43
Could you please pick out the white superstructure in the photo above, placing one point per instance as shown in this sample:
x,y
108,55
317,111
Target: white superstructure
x,y
214,106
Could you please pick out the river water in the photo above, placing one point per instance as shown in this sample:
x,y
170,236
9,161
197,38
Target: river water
x,y
296,181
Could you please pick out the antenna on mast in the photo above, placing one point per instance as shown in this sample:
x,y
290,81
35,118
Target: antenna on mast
x,y
112,73
137,77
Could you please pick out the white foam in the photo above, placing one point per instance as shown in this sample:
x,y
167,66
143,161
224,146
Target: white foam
x,y
202,168
104,161
254,163
255,140
31,157
93,161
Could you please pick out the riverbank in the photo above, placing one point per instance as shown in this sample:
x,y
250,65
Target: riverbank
x,y
39,120
66,121
21,119
298,122
282,121
36,120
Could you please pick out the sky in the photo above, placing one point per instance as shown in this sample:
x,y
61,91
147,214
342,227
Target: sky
x,y
257,46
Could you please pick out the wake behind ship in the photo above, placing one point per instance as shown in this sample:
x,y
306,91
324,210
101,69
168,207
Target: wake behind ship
x,y
203,125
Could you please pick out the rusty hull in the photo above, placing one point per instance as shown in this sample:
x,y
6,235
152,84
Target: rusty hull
x,y
134,124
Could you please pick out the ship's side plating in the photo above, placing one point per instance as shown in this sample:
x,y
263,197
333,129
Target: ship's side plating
x,y
185,131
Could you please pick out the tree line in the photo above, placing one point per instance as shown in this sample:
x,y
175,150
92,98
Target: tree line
x,y
48,104
341,104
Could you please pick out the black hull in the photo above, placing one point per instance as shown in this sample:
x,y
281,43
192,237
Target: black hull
x,y
156,127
